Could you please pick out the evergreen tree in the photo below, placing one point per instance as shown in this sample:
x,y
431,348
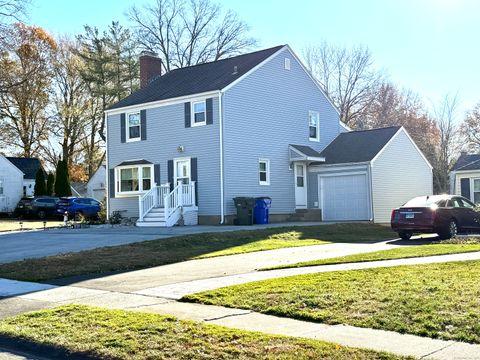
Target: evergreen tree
x,y
50,182
62,181
40,189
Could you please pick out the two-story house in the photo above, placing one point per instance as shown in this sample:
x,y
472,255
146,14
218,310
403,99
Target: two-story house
x,y
189,141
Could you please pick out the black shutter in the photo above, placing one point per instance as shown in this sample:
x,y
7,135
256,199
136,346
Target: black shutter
x,y
156,174
209,110
170,173
143,124
111,182
465,187
194,176
122,127
188,122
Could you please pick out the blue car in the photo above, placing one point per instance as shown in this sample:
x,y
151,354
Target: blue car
x,y
78,207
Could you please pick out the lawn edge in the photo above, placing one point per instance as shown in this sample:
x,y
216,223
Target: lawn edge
x,y
282,267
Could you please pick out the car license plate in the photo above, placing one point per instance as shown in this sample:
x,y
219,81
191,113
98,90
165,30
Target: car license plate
x,y
409,216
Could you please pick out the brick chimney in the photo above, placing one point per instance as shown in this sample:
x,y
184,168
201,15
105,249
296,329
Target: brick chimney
x,y
150,67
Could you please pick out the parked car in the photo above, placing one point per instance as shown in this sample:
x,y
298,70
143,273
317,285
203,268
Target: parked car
x,y
77,207
40,207
445,215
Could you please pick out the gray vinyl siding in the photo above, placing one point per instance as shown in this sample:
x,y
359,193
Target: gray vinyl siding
x,y
263,114
398,174
165,133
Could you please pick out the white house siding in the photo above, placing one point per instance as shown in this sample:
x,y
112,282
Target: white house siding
x,y
12,180
96,185
398,174
475,174
165,133
263,114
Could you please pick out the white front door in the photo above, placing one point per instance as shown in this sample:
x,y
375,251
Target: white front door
x,y
181,171
300,171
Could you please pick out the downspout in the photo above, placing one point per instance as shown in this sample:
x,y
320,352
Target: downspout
x,y
220,126
107,184
370,175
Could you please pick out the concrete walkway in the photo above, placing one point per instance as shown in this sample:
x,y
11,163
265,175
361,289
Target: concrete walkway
x,y
32,244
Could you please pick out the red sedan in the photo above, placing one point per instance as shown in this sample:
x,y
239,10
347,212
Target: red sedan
x,y
445,215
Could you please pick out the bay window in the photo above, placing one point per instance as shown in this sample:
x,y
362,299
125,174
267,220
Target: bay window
x,y
133,179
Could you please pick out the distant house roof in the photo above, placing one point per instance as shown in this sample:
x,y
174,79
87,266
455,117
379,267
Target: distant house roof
x,y
79,188
197,79
467,162
28,166
358,146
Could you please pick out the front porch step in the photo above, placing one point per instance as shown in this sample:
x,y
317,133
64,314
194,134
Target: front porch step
x,y
151,223
156,210
306,215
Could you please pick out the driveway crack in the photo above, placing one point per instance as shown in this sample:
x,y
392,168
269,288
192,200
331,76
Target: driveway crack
x,y
227,316
436,351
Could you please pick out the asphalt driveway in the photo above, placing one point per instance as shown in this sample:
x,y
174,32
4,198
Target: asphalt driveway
x,y
31,244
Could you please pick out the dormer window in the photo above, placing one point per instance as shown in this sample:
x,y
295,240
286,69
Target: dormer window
x,y
287,64
314,125
133,127
199,113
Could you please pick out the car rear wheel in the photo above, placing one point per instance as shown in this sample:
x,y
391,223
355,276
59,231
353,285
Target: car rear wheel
x,y
41,214
450,232
405,235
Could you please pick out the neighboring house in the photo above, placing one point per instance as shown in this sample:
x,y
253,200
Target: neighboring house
x,y
78,188
465,177
188,142
17,179
96,185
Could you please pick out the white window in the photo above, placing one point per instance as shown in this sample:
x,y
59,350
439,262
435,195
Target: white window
x,y
133,127
182,171
287,64
476,191
133,179
264,172
314,125
199,113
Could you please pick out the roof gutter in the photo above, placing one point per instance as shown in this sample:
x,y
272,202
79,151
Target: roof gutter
x,y
220,126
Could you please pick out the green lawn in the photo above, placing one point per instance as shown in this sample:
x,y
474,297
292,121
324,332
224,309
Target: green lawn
x,y
396,253
171,250
116,334
434,300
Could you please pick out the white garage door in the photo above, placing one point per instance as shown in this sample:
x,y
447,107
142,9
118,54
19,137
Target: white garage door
x,y
344,197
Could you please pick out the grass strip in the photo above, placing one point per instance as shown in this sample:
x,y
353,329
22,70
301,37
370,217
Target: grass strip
x,y
92,332
432,300
396,253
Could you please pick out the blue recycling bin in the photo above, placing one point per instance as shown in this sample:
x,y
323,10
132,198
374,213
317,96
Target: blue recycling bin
x,y
261,210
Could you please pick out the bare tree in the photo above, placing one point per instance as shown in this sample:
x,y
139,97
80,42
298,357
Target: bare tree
x,y
445,113
347,76
12,11
189,32
27,64
470,129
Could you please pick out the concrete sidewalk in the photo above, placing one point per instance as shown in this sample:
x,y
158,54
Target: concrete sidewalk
x,y
178,290
380,340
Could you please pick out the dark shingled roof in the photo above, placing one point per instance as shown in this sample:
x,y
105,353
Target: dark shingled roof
x,y
306,150
28,166
196,79
357,146
467,162
134,162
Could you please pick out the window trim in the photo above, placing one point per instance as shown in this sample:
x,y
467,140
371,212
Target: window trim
x,y
310,113
175,175
287,63
127,127
267,171
119,193
472,187
202,123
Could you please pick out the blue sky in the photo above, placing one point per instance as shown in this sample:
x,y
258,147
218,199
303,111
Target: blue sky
x,y
430,46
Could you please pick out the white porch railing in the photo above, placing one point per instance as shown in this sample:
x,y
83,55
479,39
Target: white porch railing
x,y
152,198
182,195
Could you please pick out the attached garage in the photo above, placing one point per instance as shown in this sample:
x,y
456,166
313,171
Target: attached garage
x,y
344,197
363,175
